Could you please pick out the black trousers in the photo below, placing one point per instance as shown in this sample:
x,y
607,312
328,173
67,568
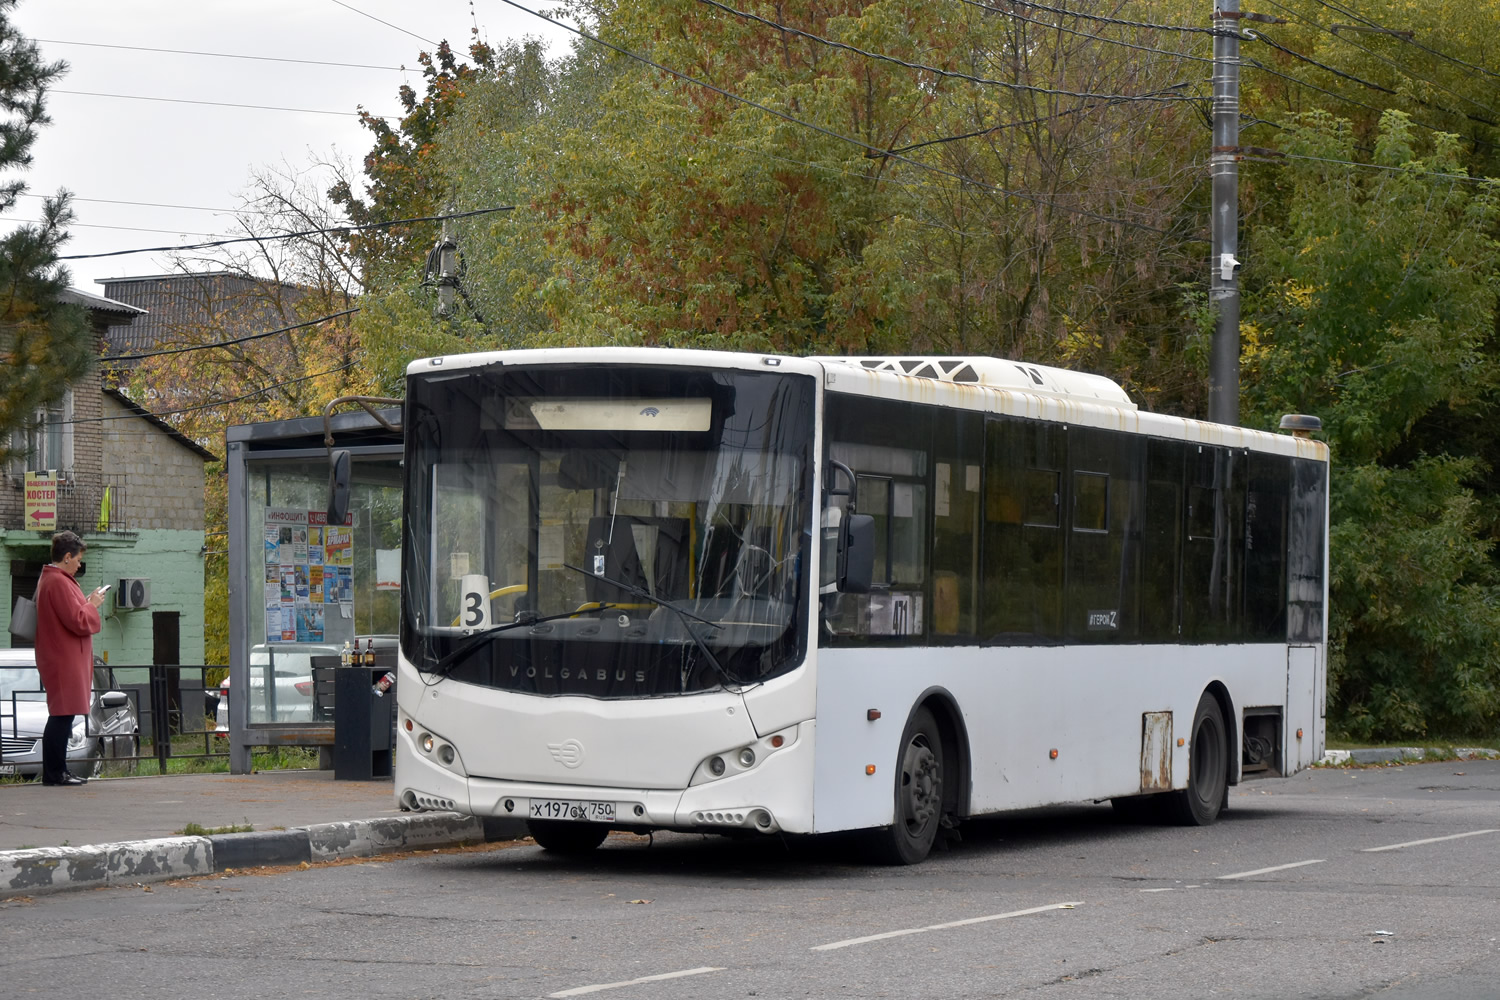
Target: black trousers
x,y
55,747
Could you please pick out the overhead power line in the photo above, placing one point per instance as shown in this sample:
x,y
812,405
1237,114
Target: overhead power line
x,y
1393,64
219,55
1262,36
218,104
228,343
388,24
1256,64
154,204
948,73
1420,174
1408,37
100,225
293,236
1105,39
211,403
982,185
1066,12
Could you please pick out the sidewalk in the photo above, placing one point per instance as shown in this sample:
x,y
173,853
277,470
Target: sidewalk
x,y
128,830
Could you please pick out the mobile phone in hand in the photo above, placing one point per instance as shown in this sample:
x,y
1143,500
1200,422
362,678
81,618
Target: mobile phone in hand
x,y
103,590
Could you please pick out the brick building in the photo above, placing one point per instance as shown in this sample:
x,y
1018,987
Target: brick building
x,y
132,487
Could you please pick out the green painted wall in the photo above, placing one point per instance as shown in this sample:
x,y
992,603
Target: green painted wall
x,y
170,559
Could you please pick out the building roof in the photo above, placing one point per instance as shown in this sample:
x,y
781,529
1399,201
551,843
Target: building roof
x,y
78,297
190,302
161,425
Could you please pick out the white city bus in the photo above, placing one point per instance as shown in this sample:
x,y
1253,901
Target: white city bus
x,y
655,589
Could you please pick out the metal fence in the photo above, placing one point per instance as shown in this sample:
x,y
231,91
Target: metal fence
x,y
172,715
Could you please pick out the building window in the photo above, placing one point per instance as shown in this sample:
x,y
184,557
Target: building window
x,y
48,442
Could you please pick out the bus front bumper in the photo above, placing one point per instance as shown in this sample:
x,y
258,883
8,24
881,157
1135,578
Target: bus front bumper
x,y
774,797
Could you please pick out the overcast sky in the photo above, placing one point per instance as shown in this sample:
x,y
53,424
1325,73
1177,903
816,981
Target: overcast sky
x,y
190,162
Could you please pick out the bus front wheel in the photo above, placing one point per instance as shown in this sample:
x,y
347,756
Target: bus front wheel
x,y
1208,768
565,837
919,796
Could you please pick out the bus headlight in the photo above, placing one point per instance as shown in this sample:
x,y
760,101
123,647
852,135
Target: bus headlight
x,y
745,758
425,742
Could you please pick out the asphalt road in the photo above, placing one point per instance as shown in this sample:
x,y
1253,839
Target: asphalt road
x,y
1333,884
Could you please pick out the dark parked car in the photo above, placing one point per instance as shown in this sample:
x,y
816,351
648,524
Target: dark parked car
x,y
111,729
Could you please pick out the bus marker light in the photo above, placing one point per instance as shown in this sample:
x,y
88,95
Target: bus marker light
x,y
869,768
747,757
426,741
408,725
1052,754
872,714
1299,734
1181,741
777,741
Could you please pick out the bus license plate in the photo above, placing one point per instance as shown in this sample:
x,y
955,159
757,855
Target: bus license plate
x,y
586,812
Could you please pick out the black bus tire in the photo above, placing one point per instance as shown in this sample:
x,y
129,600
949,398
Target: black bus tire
x,y
1200,802
918,796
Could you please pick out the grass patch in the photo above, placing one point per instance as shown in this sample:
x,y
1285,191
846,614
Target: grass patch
x,y
197,830
189,760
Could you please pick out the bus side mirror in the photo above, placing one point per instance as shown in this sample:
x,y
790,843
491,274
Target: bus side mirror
x,y
857,554
338,486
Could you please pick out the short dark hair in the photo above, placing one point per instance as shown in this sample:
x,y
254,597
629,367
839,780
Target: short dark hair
x,y
65,543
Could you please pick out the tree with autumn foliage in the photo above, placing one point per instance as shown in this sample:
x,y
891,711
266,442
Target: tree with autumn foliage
x,y
1027,181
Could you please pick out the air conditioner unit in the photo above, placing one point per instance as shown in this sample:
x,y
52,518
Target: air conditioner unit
x,y
133,592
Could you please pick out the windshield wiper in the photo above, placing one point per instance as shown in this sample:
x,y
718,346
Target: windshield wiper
x,y
478,639
681,613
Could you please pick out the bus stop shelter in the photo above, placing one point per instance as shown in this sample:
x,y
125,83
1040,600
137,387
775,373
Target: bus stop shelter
x,y
300,588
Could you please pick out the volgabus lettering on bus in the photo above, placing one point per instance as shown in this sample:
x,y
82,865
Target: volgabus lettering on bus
x,y
600,674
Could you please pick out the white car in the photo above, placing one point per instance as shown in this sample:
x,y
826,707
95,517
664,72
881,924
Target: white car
x,y
290,664
110,729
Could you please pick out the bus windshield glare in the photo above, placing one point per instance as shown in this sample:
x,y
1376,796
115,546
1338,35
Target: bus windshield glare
x,y
607,531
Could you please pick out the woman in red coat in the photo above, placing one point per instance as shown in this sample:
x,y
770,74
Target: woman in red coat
x,y
65,625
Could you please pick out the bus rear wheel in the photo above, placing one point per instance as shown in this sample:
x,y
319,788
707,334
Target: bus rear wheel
x,y
1208,768
919,796
564,837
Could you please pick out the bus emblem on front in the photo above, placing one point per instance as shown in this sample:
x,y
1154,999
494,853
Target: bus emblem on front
x,y
569,753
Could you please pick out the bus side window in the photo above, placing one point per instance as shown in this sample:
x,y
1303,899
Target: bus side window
x,y
957,442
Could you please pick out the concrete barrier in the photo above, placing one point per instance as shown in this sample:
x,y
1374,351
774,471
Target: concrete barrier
x,y
50,869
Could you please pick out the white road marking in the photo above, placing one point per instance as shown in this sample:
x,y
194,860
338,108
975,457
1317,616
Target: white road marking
x,y
1273,868
1429,840
1170,888
942,927
581,990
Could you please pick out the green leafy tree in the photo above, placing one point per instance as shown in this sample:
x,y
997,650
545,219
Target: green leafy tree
x,y
1375,308
46,344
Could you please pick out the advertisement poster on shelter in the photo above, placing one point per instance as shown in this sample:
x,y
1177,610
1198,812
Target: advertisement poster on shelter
x,y
309,573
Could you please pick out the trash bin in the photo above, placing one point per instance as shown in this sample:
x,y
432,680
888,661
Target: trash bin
x,y
362,724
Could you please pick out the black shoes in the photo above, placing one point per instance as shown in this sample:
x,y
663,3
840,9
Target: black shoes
x,y
67,779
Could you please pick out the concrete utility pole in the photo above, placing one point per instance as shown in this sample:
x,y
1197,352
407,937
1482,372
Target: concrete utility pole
x,y
1223,285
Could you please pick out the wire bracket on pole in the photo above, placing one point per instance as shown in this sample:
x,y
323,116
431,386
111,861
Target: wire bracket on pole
x,y
1252,152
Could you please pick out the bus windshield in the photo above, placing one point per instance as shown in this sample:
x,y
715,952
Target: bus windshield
x,y
609,531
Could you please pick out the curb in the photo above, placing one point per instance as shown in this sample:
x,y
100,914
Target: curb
x,y
133,862
1393,755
